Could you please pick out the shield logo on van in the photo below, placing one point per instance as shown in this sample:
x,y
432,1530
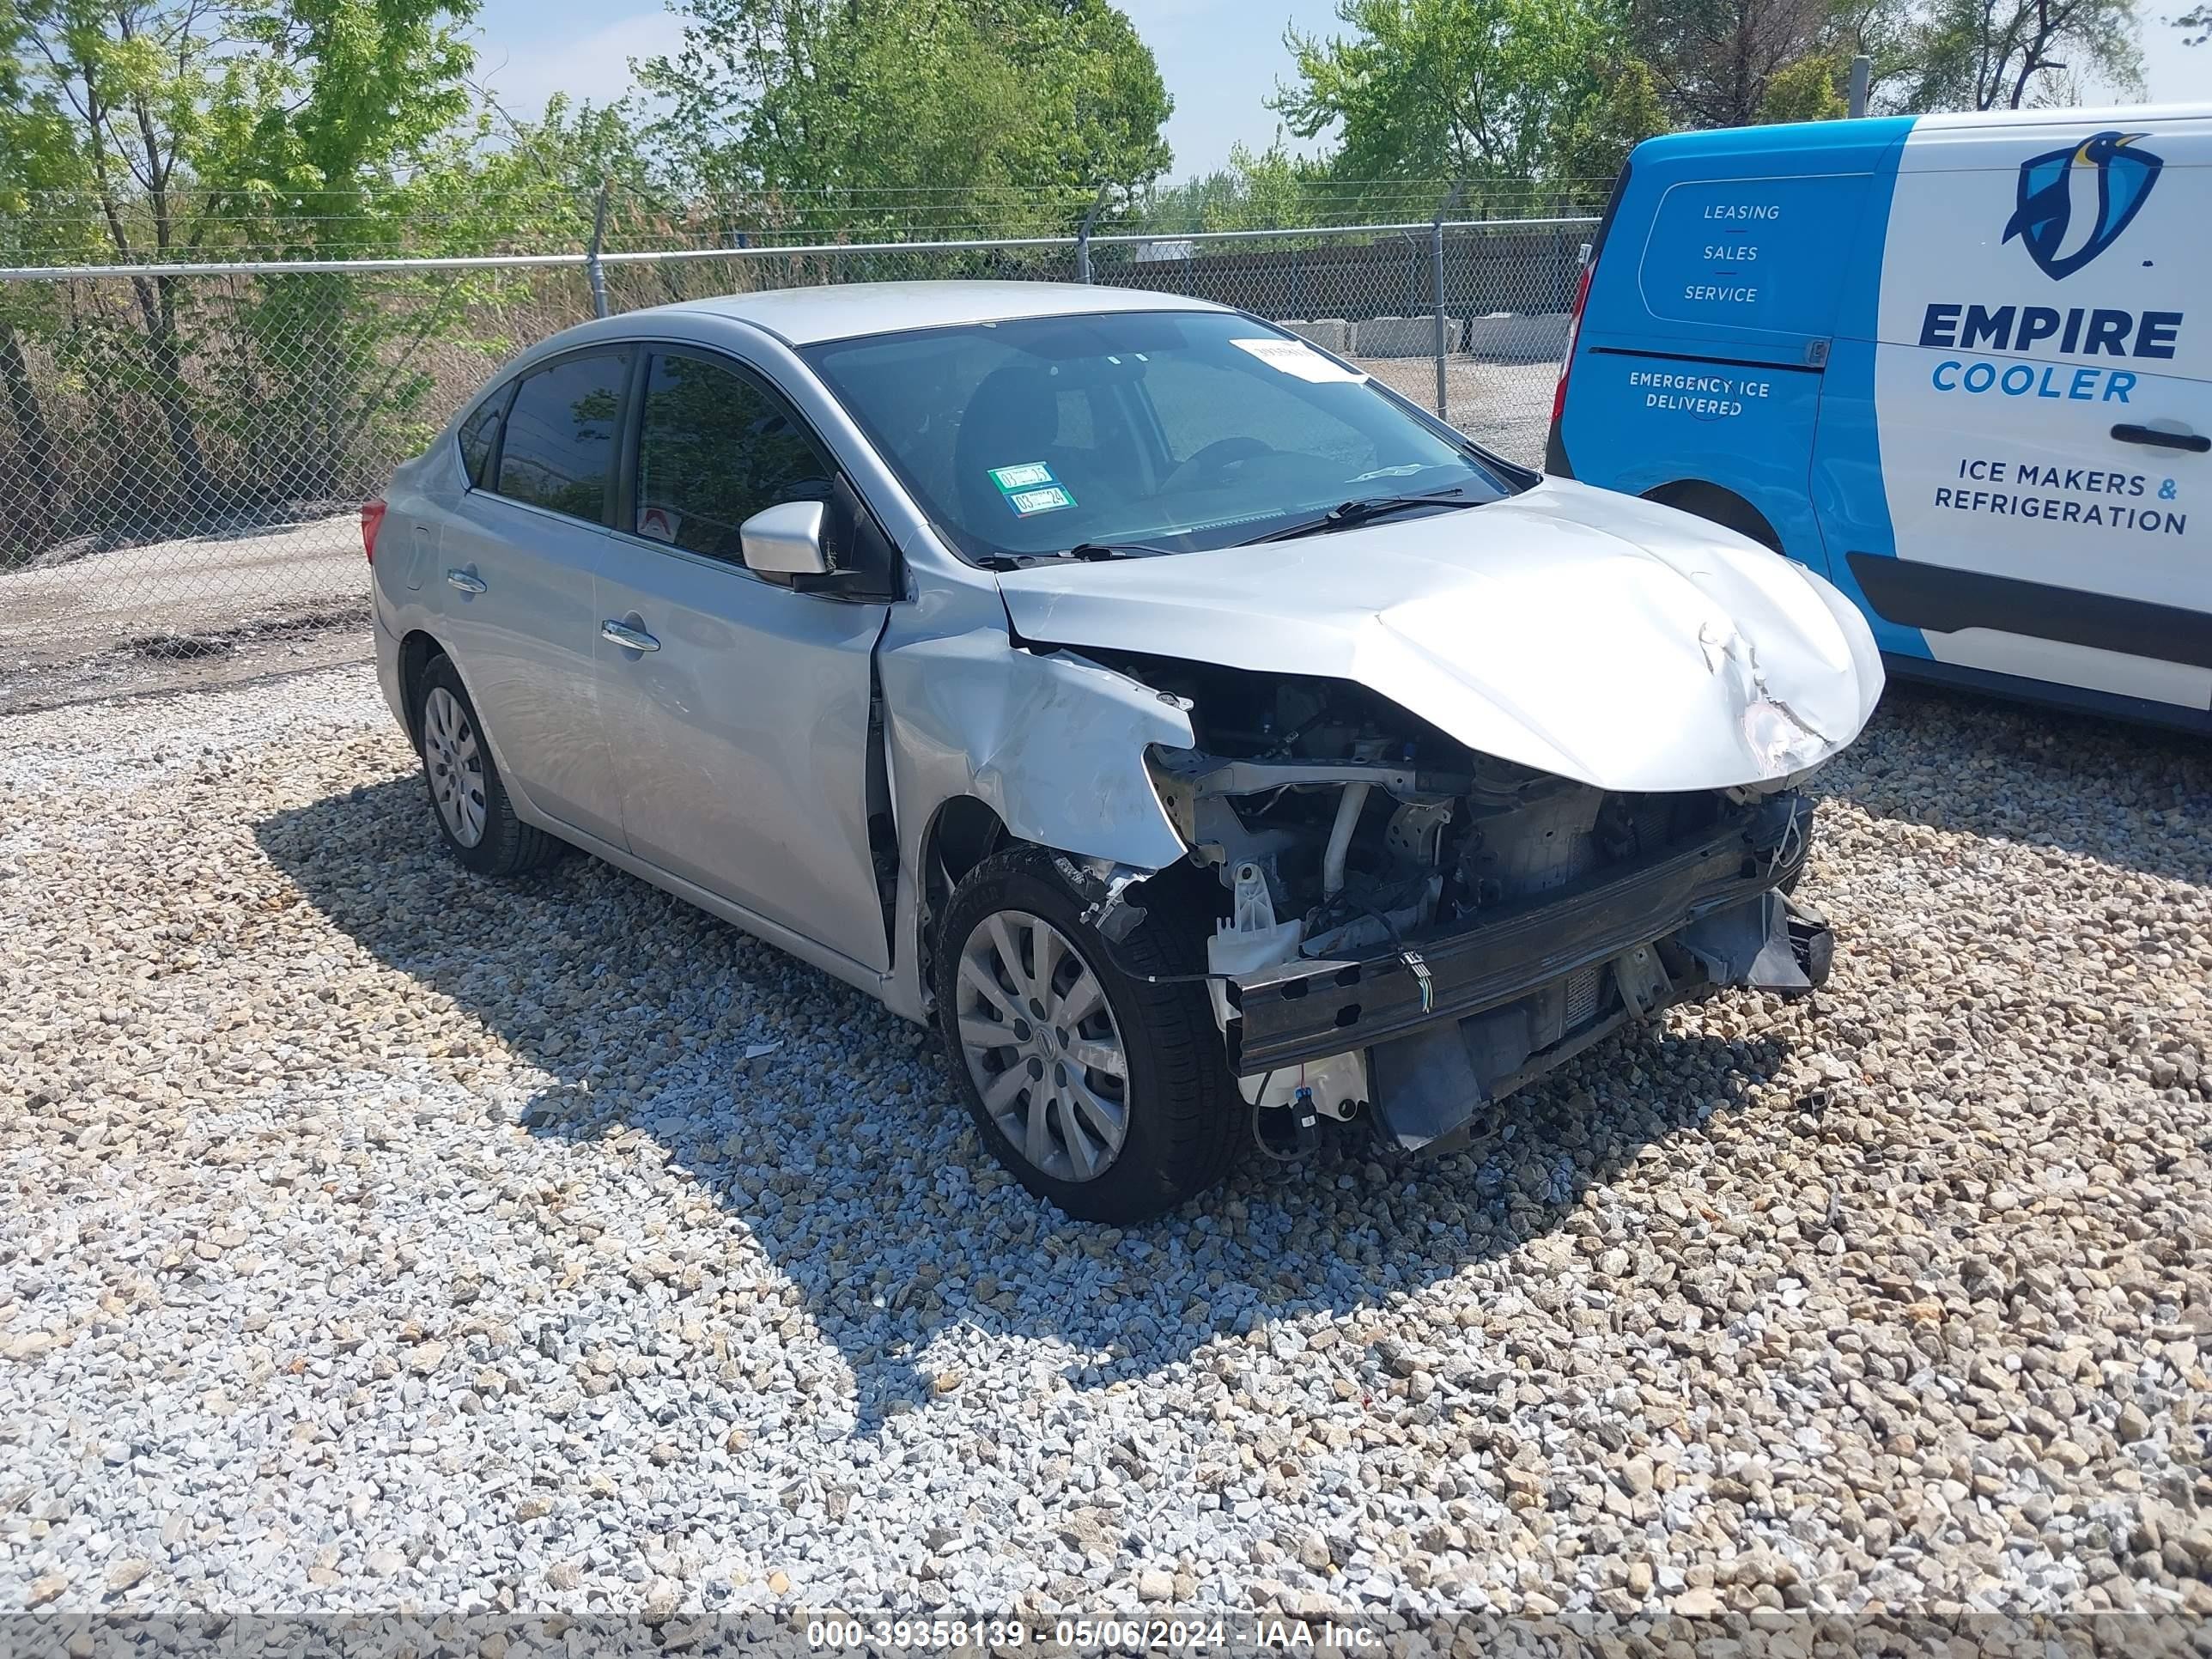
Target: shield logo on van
x,y
2073,203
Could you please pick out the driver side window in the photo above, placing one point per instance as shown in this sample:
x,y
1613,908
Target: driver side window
x,y
712,449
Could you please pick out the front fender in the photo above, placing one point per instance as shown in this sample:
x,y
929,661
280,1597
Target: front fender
x,y
1052,742
1054,745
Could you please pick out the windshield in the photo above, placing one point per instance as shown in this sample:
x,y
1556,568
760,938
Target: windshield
x,y
1141,431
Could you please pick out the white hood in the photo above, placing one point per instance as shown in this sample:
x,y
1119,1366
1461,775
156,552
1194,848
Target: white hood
x,y
1580,632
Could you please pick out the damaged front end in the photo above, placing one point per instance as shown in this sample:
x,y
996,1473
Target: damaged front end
x,y
1416,927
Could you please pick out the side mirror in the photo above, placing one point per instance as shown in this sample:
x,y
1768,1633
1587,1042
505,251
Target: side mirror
x,y
785,540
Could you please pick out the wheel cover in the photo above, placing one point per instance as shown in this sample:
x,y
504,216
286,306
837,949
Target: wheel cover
x,y
1043,1046
453,760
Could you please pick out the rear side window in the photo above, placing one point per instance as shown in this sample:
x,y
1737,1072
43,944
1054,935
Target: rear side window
x,y
713,449
561,435
480,435
1753,253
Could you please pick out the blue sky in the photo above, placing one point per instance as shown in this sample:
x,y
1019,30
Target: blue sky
x,y
1220,58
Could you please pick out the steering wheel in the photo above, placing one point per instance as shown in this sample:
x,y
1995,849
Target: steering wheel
x,y
1220,455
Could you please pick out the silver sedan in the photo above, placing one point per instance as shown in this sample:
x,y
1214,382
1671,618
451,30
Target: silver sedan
x,y
1209,742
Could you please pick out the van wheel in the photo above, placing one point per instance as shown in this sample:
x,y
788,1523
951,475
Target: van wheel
x,y
1717,506
1103,1092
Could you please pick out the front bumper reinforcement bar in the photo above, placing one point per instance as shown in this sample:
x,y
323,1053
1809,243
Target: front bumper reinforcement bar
x,y
1307,1010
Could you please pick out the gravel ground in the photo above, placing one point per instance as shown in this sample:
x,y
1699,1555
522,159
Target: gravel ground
x,y
377,1237
1506,406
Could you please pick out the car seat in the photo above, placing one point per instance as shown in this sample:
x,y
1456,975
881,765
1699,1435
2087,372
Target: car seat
x,y
1013,418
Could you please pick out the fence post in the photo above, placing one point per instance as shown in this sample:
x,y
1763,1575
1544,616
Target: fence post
x,y
1083,236
1436,287
1862,73
593,271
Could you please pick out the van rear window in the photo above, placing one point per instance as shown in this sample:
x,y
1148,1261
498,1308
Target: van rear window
x,y
1756,253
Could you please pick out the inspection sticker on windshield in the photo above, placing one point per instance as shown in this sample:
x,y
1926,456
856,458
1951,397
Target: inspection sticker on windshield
x,y
1030,488
1297,357
1026,501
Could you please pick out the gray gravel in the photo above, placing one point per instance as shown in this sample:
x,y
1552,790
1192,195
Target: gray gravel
x,y
375,1237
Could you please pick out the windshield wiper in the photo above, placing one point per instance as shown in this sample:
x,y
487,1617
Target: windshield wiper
x,y
1085,551
1346,515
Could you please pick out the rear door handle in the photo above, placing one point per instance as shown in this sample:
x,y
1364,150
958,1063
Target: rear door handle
x,y
2128,433
629,638
465,581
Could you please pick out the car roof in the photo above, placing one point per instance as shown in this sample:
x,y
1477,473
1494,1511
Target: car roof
x,y
843,311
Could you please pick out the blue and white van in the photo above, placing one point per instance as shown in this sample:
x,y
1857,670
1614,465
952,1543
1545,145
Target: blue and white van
x,y
1959,365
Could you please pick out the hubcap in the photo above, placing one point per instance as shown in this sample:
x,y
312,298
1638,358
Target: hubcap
x,y
1041,1045
454,764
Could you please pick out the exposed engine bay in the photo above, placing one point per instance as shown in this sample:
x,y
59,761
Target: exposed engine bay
x,y
1414,925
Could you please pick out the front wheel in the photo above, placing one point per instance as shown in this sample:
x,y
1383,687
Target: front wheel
x,y
1100,1091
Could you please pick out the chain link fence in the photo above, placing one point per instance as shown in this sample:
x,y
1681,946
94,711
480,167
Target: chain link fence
x,y
184,448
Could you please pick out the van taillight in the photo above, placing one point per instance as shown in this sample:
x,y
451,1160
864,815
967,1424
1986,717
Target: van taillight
x,y
372,521
1574,333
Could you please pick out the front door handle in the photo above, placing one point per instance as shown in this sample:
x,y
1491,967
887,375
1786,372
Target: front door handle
x,y
629,638
2128,433
467,581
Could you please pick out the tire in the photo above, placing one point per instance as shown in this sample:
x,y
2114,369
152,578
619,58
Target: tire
x,y
1182,1116
469,802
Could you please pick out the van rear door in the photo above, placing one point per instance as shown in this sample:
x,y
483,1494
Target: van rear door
x,y
1697,369
2041,399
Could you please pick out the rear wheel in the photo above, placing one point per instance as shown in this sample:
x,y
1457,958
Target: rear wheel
x,y
475,815
1101,1091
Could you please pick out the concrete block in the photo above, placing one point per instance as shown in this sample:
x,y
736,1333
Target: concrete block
x,y
1517,336
1397,336
1329,333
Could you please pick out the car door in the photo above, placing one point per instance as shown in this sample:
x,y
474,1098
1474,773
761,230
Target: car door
x,y
2042,395
736,706
517,609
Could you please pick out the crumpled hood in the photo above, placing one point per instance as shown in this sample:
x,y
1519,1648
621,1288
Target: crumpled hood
x,y
1586,634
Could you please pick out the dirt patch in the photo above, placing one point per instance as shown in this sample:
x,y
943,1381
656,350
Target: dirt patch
x,y
163,663
184,648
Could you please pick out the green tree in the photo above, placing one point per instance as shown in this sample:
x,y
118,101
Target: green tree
x,y
143,132
1461,90
1810,89
529,186
38,223
1715,61
911,114
2015,54
1593,143
1259,190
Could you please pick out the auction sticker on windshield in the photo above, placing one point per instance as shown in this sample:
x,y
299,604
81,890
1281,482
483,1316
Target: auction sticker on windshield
x,y
1297,357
